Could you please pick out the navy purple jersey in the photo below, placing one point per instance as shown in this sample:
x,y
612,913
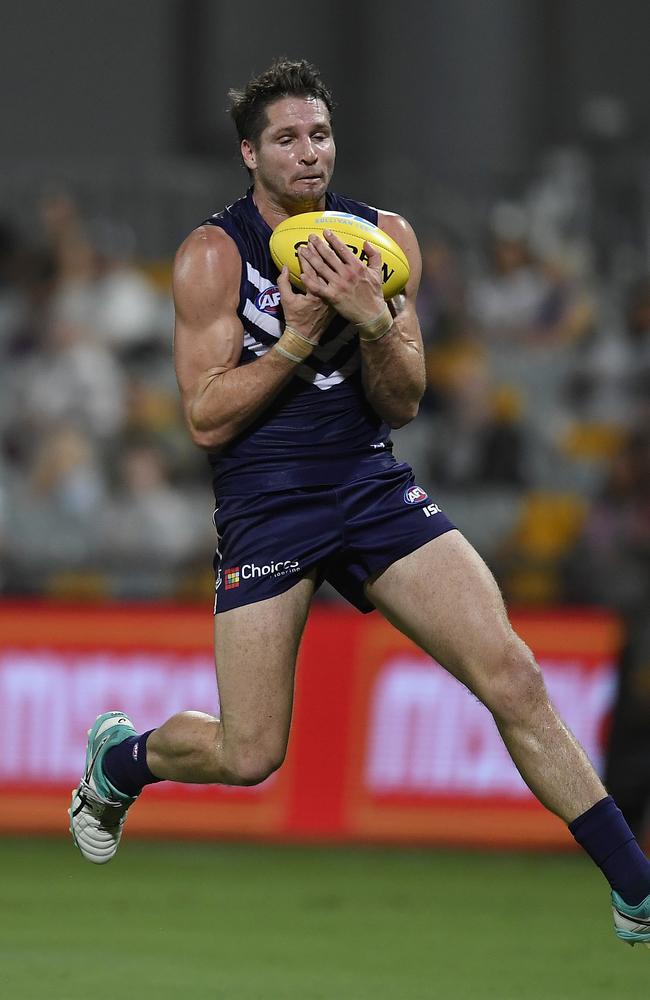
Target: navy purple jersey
x,y
320,429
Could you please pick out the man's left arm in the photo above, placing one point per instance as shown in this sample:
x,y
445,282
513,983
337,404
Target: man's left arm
x,y
393,369
392,356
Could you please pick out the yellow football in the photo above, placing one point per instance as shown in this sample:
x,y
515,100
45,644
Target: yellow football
x,y
290,235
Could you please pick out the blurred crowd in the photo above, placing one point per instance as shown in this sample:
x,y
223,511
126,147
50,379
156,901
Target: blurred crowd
x,y
534,431
537,430
100,491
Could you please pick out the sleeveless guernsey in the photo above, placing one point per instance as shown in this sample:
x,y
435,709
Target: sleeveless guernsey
x,y
320,430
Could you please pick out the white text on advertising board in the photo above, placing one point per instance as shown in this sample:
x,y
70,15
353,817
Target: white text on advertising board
x,y
428,735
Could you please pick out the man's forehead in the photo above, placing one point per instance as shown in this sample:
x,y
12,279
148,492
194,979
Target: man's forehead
x,y
295,111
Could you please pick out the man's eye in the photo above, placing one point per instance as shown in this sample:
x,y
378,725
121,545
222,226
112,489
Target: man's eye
x,y
285,140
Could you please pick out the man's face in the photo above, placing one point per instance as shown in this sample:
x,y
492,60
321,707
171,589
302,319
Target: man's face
x,y
293,159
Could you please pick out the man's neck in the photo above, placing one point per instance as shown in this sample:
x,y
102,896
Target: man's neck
x,y
273,212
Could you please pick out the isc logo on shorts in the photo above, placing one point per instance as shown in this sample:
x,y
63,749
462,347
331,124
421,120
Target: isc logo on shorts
x,y
232,577
415,494
268,301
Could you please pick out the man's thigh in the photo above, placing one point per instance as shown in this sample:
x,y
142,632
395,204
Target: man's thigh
x,y
255,652
444,597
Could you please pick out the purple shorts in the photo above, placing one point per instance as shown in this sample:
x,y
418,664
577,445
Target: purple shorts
x,y
268,541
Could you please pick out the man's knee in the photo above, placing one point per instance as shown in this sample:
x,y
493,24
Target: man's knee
x,y
251,761
514,687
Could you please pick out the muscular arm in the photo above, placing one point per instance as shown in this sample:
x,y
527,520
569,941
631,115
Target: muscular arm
x,y
220,400
393,367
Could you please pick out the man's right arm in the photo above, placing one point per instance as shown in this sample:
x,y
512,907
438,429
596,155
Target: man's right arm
x,y
219,399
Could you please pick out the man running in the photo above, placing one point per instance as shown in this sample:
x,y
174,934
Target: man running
x,y
293,397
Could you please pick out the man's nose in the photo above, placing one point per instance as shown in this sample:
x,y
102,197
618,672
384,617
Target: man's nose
x,y
308,153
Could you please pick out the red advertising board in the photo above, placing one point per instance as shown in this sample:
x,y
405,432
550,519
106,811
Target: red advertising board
x,y
385,744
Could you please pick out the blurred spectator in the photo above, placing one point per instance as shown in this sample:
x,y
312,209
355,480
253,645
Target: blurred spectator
x,y
520,298
559,206
66,471
153,413
532,554
73,377
611,382
53,504
10,303
479,440
610,564
440,308
152,410
35,281
441,297
148,520
99,286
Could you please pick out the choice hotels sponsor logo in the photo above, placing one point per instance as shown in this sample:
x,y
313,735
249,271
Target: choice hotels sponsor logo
x,y
235,575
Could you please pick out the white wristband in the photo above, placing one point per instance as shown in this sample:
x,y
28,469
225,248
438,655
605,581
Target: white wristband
x,y
376,328
294,346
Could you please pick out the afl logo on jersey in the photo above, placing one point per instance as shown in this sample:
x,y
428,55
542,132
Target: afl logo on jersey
x,y
268,301
415,494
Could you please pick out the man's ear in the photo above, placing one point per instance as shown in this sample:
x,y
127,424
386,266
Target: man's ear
x,y
248,154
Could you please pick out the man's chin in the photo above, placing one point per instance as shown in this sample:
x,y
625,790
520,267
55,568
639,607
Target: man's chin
x,y
307,194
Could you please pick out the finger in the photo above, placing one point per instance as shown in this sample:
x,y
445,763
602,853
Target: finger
x,y
311,279
309,257
341,250
373,256
326,253
287,289
284,283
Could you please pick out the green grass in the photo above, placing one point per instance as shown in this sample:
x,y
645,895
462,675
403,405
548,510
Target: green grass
x,y
182,921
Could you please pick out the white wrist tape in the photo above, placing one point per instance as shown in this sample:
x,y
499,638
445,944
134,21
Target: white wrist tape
x,y
293,345
376,328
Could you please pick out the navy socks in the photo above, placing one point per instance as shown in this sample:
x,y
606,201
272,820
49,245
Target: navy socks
x,y
604,834
125,765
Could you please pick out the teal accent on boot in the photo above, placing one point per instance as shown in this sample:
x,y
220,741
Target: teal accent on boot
x,y
631,923
109,729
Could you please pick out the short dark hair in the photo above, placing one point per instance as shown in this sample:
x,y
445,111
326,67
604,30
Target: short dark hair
x,y
284,78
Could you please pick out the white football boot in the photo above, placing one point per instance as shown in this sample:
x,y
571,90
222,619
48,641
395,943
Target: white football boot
x,y
631,923
98,810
